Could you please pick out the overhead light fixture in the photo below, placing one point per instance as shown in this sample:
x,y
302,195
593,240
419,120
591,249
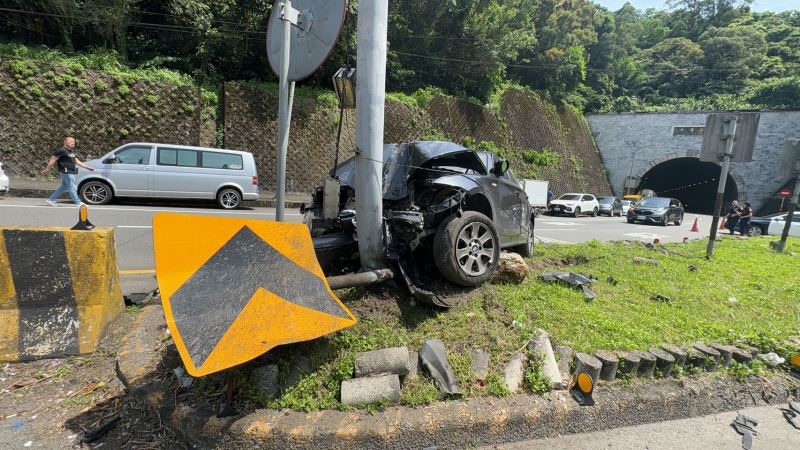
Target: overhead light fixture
x,y
344,83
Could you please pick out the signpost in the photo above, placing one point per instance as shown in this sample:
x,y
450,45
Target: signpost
x,y
784,194
790,167
727,137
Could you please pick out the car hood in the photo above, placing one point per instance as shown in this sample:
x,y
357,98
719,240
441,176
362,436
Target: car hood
x,y
565,202
402,160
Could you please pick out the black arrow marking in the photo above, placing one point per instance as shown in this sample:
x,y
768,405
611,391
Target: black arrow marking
x,y
206,306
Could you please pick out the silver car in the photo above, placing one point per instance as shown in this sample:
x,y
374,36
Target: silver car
x,y
171,171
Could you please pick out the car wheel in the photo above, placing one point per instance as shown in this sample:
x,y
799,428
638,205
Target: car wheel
x,y
229,198
96,193
466,248
665,222
595,212
631,221
755,231
679,222
577,211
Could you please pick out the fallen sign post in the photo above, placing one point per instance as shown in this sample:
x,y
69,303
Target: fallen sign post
x,y
727,138
790,167
234,289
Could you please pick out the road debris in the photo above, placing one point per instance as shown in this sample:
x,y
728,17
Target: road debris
x,y
792,414
746,426
93,435
661,299
184,380
772,359
573,280
434,358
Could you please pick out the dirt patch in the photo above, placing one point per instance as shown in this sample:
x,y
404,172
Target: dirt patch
x,y
52,403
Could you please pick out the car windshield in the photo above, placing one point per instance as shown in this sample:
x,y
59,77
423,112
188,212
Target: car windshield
x,y
605,200
655,202
626,203
569,197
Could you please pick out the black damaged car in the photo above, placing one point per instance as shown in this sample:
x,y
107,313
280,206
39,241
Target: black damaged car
x,y
441,201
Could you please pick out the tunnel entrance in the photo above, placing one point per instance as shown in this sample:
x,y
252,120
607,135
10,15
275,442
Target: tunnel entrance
x,y
691,181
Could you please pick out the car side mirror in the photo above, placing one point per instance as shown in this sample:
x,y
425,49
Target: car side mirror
x,y
500,167
111,160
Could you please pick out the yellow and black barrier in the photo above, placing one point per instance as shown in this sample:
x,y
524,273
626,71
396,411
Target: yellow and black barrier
x,y
58,290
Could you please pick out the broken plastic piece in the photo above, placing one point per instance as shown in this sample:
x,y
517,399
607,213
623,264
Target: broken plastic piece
x,y
573,280
434,358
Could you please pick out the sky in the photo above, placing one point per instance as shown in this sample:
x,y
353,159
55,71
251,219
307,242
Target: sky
x,y
758,5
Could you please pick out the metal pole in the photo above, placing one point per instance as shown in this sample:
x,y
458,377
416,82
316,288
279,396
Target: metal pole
x,y
373,18
730,135
790,216
283,112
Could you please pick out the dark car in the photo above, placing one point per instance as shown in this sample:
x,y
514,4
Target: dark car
x,y
759,226
657,210
612,206
441,201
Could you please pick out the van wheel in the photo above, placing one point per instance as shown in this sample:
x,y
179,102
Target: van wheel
x,y
96,193
229,198
466,249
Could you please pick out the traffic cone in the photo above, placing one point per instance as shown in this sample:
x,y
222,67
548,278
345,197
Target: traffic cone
x,y
696,226
723,224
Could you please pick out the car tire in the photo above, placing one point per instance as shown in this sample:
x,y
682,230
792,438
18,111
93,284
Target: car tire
x,y
577,211
595,212
229,198
679,222
755,231
458,235
95,192
665,222
631,221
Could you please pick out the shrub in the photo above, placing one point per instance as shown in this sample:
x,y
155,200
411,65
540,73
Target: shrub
x,y
100,86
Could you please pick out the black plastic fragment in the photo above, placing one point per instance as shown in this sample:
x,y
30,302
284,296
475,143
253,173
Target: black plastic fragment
x,y
97,433
434,358
573,280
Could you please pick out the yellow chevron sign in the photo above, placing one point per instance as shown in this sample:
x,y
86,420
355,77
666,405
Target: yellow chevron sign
x,y
234,289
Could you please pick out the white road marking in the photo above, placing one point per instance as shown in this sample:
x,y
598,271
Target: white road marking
x,y
564,224
201,211
134,226
556,229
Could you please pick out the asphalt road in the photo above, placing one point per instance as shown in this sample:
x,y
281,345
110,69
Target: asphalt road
x,y
133,223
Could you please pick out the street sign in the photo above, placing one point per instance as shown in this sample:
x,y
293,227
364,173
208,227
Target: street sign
x,y
234,289
714,138
790,164
785,193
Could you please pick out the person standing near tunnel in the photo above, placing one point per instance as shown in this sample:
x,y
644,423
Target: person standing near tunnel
x,y
733,217
744,218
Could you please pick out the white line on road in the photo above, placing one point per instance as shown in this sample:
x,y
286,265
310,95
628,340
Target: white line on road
x,y
556,229
201,211
135,226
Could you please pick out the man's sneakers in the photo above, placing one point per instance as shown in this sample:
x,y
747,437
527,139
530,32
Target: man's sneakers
x,y
51,203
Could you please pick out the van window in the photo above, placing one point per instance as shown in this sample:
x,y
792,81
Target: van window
x,y
213,160
133,155
177,157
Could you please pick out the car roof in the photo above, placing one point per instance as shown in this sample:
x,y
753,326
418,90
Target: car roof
x,y
187,147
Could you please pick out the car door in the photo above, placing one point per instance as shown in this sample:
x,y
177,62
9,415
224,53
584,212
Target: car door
x,y
178,174
587,204
130,170
514,205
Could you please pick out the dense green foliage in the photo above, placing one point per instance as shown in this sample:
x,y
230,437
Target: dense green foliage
x,y
707,54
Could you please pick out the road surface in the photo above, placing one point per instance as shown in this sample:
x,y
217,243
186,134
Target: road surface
x,y
570,230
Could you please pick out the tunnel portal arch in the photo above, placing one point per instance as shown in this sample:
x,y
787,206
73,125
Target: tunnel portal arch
x,y
691,181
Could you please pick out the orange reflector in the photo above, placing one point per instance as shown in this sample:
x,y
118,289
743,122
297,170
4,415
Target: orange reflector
x,y
234,289
582,389
795,361
585,383
83,219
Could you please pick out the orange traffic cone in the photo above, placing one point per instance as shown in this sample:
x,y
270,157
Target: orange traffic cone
x,y
696,226
723,224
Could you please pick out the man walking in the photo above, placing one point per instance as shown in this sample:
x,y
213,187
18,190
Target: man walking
x,y
66,161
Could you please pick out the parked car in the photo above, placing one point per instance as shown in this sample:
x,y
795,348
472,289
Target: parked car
x,y
5,185
611,206
626,204
657,210
171,171
442,201
575,205
777,223
759,226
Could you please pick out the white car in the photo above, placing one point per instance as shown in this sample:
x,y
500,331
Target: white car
x,y
626,205
4,183
575,205
777,224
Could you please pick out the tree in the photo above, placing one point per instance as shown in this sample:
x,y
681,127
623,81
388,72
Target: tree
x,y
732,53
673,67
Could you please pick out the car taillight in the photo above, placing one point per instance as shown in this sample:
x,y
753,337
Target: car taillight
x,y
255,181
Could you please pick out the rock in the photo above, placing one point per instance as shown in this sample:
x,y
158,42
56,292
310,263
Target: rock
x,y
565,355
610,361
742,356
646,261
549,366
413,365
385,361
647,364
725,352
678,353
363,391
480,363
664,362
510,269
184,380
265,379
514,372
712,356
695,358
629,363
301,366
589,364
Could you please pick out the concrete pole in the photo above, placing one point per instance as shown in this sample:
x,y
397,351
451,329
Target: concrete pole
x,y
730,135
790,216
373,18
283,112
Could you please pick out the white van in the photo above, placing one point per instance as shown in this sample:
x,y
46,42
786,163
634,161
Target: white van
x,y
171,171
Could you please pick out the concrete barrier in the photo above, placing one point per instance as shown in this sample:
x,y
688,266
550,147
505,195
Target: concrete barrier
x,y
58,291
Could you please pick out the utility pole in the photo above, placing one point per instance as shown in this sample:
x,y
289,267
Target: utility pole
x,y
729,136
790,216
373,18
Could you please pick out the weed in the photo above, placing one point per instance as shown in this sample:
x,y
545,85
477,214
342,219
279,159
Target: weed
x,y
496,385
100,86
134,309
534,378
123,90
36,91
152,100
420,391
